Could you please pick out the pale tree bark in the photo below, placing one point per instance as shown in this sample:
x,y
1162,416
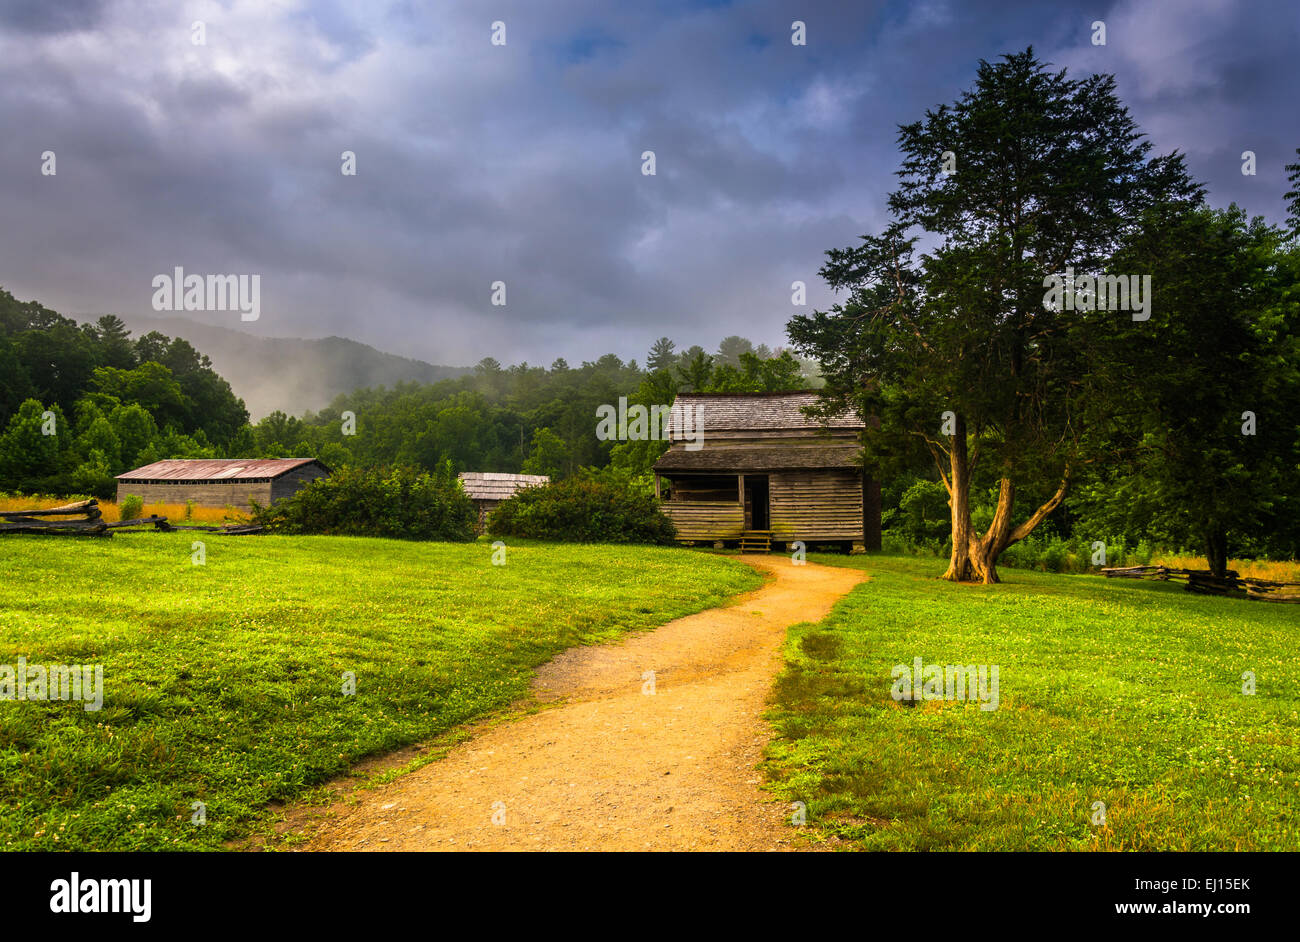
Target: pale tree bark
x,y
959,501
974,558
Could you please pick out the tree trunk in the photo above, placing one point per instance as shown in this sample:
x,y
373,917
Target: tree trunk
x,y
974,559
1216,551
984,553
959,501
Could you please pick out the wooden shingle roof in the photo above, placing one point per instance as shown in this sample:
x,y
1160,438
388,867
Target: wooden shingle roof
x,y
766,432
742,460
492,485
754,411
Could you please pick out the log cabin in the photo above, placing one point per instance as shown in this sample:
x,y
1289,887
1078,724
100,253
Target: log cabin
x,y
487,489
765,473
219,482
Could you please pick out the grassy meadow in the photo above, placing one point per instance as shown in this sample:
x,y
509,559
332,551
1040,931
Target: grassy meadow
x,y
223,682
1115,691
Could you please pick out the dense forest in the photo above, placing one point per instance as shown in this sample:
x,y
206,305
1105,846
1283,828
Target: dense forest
x,y
80,403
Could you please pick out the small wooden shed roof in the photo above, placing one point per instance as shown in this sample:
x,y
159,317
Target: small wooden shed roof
x,y
754,411
183,470
493,485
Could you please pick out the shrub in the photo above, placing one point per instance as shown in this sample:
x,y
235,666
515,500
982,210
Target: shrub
x,y
922,518
895,543
131,507
400,503
1054,556
579,510
88,478
1044,551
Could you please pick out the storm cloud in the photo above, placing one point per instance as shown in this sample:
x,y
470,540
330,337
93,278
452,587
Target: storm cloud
x,y
521,162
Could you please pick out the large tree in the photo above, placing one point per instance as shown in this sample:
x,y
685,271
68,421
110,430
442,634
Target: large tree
x,y
115,347
756,374
694,370
947,335
731,348
1203,449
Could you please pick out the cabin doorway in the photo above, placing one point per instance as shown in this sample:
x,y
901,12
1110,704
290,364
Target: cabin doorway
x,y
757,515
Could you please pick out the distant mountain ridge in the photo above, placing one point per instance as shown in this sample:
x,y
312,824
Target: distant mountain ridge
x,y
292,374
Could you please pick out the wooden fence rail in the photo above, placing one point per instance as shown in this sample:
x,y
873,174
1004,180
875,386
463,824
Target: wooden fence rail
x,y
1204,582
84,518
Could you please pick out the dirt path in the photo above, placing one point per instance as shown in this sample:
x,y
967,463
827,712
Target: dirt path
x,y
614,767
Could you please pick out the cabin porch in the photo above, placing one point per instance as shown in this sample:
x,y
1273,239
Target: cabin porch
x,y
756,511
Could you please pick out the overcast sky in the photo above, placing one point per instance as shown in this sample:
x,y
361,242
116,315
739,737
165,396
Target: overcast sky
x,y
522,162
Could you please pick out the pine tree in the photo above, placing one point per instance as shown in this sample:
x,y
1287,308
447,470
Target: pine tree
x,y
661,355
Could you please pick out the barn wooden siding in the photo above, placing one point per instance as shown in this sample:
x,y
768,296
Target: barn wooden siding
x,y
227,493
287,484
219,482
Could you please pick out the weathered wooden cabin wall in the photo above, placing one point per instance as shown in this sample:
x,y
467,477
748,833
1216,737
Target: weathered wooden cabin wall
x,y
484,507
803,505
815,505
719,488
706,519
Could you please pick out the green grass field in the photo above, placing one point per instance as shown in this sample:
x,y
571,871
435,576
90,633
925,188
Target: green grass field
x,y
224,682
1122,692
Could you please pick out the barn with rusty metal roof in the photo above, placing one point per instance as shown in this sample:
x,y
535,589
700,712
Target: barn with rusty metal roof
x,y
219,482
756,469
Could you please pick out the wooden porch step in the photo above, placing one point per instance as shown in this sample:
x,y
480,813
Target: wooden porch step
x,y
756,541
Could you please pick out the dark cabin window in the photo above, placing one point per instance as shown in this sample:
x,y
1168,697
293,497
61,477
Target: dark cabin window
x,y
721,487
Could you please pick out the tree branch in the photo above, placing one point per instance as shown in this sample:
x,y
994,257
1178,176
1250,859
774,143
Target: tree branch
x,y
1026,528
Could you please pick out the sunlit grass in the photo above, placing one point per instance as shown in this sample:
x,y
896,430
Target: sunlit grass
x,y
224,681
1124,692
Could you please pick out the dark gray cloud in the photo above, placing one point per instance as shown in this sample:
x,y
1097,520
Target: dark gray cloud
x,y
521,163
47,16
